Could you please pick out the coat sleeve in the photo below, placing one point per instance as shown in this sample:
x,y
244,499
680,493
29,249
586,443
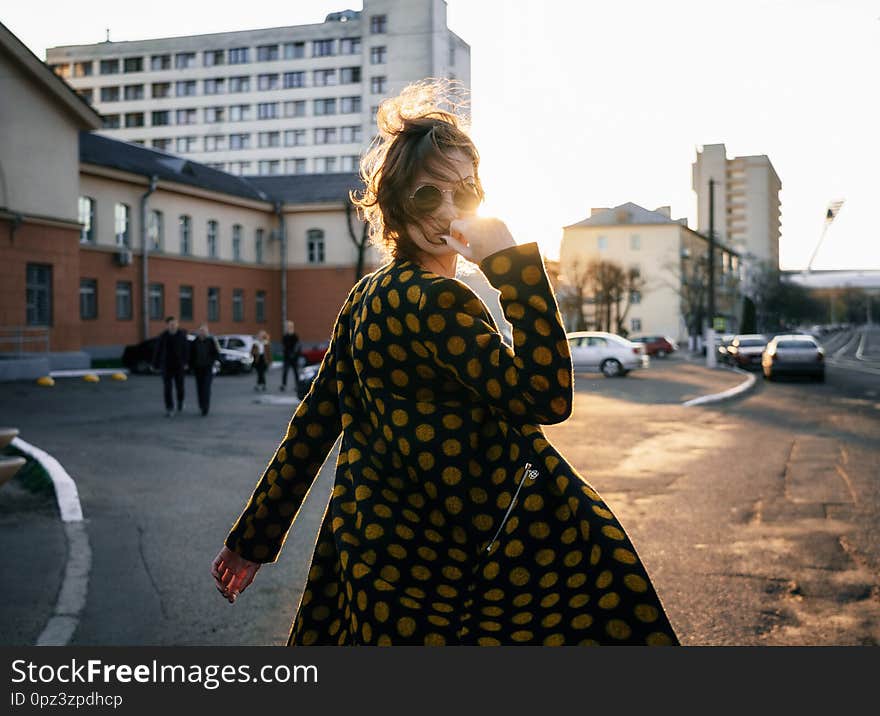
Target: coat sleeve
x,y
531,382
260,531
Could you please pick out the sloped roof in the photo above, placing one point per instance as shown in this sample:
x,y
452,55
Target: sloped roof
x,y
627,213
308,188
106,152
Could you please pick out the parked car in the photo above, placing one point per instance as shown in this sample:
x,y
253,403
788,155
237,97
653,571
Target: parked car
x,y
656,346
605,352
314,352
745,351
722,356
138,358
236,342
794,354
231,360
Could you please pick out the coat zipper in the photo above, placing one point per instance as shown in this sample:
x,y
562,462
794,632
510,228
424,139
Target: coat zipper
x,y
527,474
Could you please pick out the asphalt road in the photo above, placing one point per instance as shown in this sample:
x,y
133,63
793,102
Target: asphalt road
x,y
756,517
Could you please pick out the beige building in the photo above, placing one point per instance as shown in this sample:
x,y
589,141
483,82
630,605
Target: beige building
x,y
664,252
284,100
747,207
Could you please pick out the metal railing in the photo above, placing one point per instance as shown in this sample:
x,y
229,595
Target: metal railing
x,y
19,341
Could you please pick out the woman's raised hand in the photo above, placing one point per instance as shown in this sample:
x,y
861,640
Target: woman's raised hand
x,y
476,237
232,573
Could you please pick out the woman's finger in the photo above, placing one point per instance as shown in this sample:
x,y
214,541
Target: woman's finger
x,y
457,246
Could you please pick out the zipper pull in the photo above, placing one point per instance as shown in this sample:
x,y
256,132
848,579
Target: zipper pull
x,y
527,473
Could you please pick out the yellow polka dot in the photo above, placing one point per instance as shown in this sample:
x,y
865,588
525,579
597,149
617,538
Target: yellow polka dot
x,y
493,387
494,595
359,570
515,311
609,601
396,352
393,298
602,512
578,600
613,533
514,548
548,580
531,275
522,636
488,641
542,355
545,557
658,639
425,433
635,583
374,531
595,554
582,621
413,324
568,535
384,640
521,600
454,505
539,530
618,629
500,265
573,558
624,555
554,640
456,345
374,332
394,325
646,613
474,369
604,579
420,572
406,626
538,303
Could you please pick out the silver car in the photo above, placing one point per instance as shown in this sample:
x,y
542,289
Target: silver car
x,y
605,352
794,355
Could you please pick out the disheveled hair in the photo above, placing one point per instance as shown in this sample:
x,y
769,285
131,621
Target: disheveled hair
x,y
418,130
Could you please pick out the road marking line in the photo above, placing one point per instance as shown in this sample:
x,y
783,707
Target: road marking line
x,y
724,395
842,349
81,373
860,351
71,601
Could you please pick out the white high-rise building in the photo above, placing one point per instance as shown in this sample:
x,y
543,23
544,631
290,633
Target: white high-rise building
x,y
283,100
747,208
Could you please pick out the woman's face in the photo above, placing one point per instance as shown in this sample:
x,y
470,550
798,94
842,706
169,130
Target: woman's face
x,y
426,232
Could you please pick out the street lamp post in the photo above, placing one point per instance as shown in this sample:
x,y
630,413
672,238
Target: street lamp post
x,y
710,330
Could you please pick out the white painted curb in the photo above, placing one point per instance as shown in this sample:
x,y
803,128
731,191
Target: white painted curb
x,y
732,393
75,586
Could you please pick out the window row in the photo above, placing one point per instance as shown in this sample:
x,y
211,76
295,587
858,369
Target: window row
x,y
635,243
88,302
297,165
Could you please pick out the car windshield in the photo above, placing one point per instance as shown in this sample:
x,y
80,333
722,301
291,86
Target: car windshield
x,y
796,344
752,342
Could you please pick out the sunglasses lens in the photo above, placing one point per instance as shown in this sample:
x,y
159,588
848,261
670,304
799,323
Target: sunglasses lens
x,y
427,198
466,198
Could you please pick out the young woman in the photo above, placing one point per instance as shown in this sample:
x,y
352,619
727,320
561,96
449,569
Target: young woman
x,y
262,353
452,520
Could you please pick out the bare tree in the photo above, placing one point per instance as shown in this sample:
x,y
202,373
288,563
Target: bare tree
x,y
359,241
573,291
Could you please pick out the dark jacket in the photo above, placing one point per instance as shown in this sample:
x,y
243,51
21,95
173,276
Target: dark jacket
x,y
291,346
453,520
203,352
172,352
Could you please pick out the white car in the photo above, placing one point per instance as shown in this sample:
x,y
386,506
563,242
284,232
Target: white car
x,y
605,352
236,342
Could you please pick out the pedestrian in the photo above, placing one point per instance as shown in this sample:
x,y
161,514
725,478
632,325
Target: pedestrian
x,y
453,520
171,356
203,353
262,353
292,352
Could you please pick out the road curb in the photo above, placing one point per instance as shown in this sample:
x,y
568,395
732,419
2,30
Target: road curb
x,y
747,384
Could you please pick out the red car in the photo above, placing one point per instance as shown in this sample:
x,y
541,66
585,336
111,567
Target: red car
x,y
659,346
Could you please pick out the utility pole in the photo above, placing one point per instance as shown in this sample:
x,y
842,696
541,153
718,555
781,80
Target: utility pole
x,y
710,331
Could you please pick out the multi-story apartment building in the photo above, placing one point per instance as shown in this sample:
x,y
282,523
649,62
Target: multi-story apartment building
x,y
284,100
747,208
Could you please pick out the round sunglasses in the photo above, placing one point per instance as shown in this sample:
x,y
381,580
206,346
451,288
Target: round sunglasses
x,y
428,198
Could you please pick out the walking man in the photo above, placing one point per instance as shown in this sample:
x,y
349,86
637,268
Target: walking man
x,y
203,351
172,358
292,353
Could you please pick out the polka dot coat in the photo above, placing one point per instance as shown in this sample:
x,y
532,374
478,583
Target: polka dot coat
x,y
453,520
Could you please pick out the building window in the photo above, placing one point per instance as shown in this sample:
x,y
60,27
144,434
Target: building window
x,y
38,294
294,79
349,105
155,230
214,115
267,53
325,106
215,142
187,116
323,48
635,242
186,144
258,246
324,78
87,94
349,75
269,167
83,69
315,246
635,297
294,50
295,166
325,135
378,24
350,46
123,301
185,225
267,82
213,303
269,139
185,60
236,242
351,135
133,64
378,55
161,118
134,119
185,88
122,222
602,243
109,67
239,141
210,58
109,94
186,303
160,62
297,108
214,86
163,144
237,304
88,299
156,296
635,324
267,110
240,84
350,163
378,85
325,165
239,168
87,219
260,307
110,121
238,55
133,92
161,90
452,56
212,238
294,137
239,113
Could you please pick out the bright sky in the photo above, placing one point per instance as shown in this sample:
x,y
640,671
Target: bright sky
x,y
583,103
